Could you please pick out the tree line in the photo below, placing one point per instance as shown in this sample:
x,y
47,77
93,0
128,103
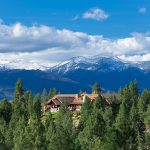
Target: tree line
x,y
122,123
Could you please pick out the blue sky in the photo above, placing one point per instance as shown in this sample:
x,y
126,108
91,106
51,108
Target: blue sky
x,y
47,32
124,16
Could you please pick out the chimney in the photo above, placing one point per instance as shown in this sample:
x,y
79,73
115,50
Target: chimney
x,y
84,98
77,96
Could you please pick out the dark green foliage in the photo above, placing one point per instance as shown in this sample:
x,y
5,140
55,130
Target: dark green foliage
x,y
143,103
147,117
115,104
3,129
111,140
19,134
37,106
100,103
127,120
44,96
62,139
94,128
96,89
6,134
18,90
35,135
85,112
50,130
5,110
52,93
120,123
2,141
108,117
134,89
147,123
19,104
30,104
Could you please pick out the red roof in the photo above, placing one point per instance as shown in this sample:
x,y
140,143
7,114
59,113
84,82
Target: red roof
x,y
76,99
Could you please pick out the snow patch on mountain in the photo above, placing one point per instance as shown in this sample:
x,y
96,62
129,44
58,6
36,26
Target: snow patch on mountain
x,y
144,65
21,64
96,63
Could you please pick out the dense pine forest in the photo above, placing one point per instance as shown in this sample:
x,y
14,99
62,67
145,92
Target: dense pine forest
x,y
123,123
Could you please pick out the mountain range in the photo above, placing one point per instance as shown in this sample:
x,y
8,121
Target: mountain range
x,y
75,74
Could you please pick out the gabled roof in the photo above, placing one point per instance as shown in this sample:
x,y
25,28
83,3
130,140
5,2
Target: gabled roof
x,y
91,96
108,95
56,101
76,99
62,98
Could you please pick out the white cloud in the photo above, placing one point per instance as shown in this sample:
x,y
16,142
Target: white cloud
x,y
95,14
47,46
136,58
142,10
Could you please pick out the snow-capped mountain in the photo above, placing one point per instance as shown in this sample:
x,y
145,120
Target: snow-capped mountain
x,y
144,65
98,63
95,63
22,64
78,73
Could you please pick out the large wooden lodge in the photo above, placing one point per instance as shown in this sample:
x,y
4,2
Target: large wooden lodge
x,y
74,101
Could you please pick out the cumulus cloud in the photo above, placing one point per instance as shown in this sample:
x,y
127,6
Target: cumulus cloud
x,y
47,46
142,10
135,58
95,14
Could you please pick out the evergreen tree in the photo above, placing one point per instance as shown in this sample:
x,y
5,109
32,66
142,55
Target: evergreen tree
x,y
95,144
35,135
52,93
19,107
143,102
86,110
111,140
19,102
127,119
6,134
37,106
50,131
44,96
94,128
96,88
3,129
19,134
147,117
147,123
115,104
25,104
134,121
123,124
18,90
134,90
5,110
30,104
2,141
122,120
63,136
100,103
108,117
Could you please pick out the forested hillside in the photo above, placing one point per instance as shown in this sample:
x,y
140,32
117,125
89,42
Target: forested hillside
x,y
123,123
